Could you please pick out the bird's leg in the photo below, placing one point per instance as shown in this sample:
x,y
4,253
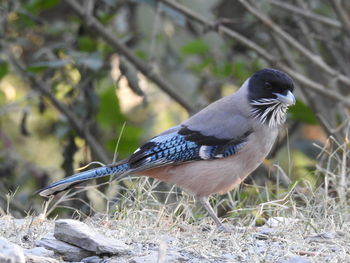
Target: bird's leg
x,y
204,200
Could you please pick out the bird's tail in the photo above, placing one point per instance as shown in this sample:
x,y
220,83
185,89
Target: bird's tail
x,y
68,182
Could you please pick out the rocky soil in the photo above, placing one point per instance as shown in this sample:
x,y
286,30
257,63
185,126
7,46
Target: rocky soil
x,y
95,241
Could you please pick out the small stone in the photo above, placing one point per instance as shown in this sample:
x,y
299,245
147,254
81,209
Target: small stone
x,y
264,233
150,258
324,237
229,256
10,253
260,247
39,251
297,259
153,256
67,251
93,259
37,259
81,235
279,221
327,235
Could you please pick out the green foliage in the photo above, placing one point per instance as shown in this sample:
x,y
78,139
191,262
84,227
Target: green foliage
x,y
195,47
109,111
129,140
87,44
141,54
3,69
36,6
224,70
110,117
302,112
241,71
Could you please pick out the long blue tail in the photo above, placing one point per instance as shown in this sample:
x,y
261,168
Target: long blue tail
x,y
70,181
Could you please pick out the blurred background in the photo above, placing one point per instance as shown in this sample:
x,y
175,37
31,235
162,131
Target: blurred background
x,y
88,81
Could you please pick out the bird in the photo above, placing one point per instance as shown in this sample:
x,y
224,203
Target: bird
x,y
215,149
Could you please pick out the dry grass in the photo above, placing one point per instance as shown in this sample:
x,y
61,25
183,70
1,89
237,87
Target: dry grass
x,y
310,233
318,226
318,231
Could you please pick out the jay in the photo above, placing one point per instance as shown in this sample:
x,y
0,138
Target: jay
x,y
215,149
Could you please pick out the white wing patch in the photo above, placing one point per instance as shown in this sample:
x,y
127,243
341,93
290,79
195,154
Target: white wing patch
x,y
204,152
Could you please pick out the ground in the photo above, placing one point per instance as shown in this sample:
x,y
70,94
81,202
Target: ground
x,y
150,238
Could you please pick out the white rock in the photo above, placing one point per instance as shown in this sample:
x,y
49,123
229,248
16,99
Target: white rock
x,y
81,235
10,253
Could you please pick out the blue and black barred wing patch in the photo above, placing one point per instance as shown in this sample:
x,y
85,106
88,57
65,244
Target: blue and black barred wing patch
x,y
164,149
211,147
183,146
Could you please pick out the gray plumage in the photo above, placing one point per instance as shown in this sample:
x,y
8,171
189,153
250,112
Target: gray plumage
x,y
215,149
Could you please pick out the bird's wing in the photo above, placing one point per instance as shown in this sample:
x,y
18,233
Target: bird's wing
x,y
185,143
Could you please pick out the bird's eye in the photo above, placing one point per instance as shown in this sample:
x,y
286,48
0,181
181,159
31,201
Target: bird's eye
x,y
268,85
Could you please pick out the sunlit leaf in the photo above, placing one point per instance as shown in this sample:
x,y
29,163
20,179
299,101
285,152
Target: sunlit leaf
x,y
196,47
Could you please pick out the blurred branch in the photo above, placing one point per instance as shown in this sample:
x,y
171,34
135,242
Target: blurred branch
x,y
144,68
342,14
314,58
306,27
212,25
306,13
312,103
74,121
302,79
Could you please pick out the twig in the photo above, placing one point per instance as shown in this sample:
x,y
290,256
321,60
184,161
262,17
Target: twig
x,y
111,39
74,121
221,30
342,14
315,85
306,13
305,25
315,59
259,50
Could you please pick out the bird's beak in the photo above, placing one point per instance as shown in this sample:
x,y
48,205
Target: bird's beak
x,y
287,98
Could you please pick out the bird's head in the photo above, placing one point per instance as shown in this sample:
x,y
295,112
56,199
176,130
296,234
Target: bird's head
x,y
270,95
